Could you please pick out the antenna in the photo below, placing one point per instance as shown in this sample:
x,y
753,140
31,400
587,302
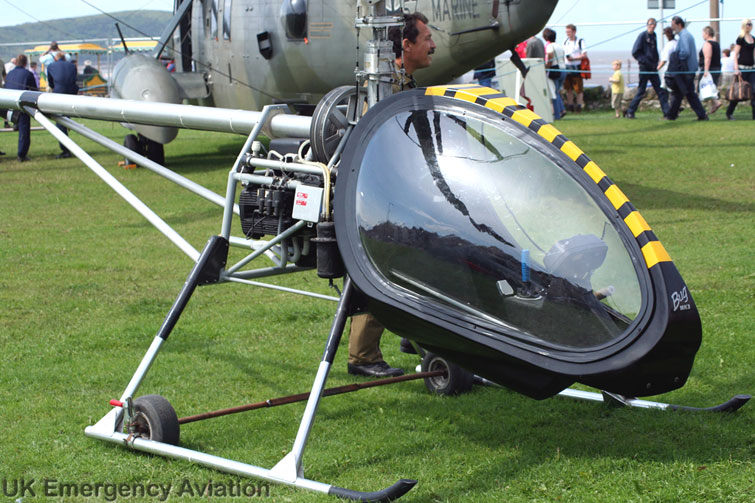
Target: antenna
x,y
123,40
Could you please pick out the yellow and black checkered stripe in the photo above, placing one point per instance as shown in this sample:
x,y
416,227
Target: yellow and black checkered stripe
x,y
652,249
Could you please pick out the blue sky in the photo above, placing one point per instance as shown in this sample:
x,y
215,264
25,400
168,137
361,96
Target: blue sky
x,y
579,12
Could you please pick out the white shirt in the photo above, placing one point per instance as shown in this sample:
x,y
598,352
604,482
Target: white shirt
x,y
667,50
727,64
574,49
554,50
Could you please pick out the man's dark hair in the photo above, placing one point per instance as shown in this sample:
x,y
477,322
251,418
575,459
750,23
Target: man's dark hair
x,y
21,60
549,35
678,20
410,31
571,27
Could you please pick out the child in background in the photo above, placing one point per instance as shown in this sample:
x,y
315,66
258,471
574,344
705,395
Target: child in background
x,y
617,88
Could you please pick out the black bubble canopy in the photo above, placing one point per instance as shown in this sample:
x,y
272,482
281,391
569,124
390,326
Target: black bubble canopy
x,y
485,242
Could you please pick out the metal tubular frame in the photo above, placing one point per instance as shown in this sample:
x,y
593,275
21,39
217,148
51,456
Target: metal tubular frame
x,y
144,162
289,469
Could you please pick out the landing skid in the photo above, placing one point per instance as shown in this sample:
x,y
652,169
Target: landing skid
x,y
614,399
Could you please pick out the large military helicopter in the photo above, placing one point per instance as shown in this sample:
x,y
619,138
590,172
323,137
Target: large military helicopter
x,y
249,53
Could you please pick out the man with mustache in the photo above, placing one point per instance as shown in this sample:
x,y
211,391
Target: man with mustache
x,y
413,46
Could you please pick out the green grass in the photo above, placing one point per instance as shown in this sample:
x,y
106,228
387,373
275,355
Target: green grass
x,y
85,283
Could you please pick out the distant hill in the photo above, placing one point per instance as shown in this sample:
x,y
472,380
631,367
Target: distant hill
x,y
150,22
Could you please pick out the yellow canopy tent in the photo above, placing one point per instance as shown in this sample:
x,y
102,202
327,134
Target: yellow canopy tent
x,y
135,46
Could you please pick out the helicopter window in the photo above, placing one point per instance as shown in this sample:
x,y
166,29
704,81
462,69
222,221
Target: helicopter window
x,y
214,19
294,17
471,214
227,20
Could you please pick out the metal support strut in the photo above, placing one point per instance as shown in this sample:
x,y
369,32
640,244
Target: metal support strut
x,y
289,469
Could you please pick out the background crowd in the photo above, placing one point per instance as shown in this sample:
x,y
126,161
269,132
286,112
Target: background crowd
x,y
698,76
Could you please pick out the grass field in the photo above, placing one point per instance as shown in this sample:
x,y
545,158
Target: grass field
x,y
85,283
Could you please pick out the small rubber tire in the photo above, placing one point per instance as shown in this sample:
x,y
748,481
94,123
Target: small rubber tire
x,y
155,419
456,381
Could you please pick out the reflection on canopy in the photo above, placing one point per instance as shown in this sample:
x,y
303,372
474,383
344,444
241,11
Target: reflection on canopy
x,y
445,210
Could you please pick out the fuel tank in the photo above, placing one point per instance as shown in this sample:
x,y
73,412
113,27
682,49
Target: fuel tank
x,y
143,78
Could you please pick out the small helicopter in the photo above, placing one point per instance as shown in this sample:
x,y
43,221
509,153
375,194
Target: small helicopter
x,y
455,215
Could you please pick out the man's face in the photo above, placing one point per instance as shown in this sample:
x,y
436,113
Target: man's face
x,y
570,34
419,54
651,26
676,27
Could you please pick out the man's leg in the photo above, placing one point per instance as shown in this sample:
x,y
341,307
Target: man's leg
x,y
569,90
676,103
655,81
24,135
579,89
64,150
641,88
365,357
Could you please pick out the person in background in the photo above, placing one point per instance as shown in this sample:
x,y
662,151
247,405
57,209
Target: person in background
x,y
61,75
574,85
521,49
645,51
555,58
617,88
10,65
709,61
682,68
88,68
744,63
727,70
535,48
48,57
22,79
666,52
33,70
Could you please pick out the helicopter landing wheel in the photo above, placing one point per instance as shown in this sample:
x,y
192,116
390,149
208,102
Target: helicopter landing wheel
x,y
335,111
155,419
455,381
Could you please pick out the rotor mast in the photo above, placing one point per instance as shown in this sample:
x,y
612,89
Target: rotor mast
x,y
378,68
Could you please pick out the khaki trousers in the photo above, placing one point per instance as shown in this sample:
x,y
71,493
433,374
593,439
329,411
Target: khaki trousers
x,y
364,340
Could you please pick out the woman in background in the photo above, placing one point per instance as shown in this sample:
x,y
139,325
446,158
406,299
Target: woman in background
x,y
744,63
555,59
709,61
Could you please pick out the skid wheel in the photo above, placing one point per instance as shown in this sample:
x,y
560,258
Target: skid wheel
x,y
331,118
155,419
456,380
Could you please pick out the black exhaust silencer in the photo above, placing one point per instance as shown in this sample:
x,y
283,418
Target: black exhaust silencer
x,y
329,262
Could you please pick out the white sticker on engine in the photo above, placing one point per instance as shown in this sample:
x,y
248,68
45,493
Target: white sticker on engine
x,y
307,203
